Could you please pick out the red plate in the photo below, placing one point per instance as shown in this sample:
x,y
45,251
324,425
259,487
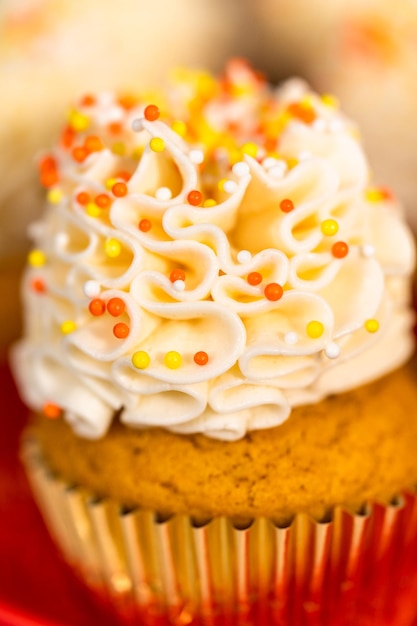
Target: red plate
x,y
36,586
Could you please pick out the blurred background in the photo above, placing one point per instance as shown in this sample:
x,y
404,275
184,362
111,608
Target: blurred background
x,y
51,51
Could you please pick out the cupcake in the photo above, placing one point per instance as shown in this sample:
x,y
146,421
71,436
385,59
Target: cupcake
x,y
217,334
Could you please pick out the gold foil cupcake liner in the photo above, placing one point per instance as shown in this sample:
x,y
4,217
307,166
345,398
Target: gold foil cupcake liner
x,y
358,568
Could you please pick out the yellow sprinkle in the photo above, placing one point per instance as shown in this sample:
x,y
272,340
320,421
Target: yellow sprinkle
x,y
68,327
314,329
371,325
173,360
179,127
209,202
329,227
307,102
141,359
119,148
78,121
157,144
292,162
137,152
250,148
92,210
221,183
330,101
110,182
374,195
112,248
55,196
36,258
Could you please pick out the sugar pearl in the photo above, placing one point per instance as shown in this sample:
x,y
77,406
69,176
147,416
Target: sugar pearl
x,y
137,125
230,186
196,156
240,169
291,337
367,250
244,256
332,350
163,193
179,285
91,288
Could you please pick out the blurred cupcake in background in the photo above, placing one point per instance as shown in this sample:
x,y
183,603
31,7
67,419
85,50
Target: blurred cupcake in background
x,y
364,53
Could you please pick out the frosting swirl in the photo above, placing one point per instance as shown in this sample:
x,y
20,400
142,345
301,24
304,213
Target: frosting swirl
x,y
208,274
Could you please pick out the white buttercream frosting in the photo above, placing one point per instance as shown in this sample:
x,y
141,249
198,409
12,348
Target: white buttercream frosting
x,y
292,280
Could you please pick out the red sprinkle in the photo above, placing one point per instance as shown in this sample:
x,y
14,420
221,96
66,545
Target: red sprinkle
x,y
286,205
116,307
340,249
119,190
177,274
255,278
121,330
97,307
67,137
49,178
145,225
93,143
88,100
273,292
195,197
151,112
201,358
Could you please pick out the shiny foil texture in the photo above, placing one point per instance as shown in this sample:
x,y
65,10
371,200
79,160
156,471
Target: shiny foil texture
x,y
357,569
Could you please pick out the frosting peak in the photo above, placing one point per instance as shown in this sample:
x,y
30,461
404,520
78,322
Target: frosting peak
x,y
210,259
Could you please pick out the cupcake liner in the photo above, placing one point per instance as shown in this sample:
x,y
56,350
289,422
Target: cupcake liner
x,y
358,568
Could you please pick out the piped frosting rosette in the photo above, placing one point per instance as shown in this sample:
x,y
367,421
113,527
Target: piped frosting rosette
x,y
210,260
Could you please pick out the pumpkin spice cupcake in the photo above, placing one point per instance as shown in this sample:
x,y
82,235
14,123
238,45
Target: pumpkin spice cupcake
x,y
218,324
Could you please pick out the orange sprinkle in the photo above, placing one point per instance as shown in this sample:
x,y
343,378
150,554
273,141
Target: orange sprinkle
x,y
97,307
47,163
151,112
115,128
145,225
88,100
195,197
126,176
103,200
67,137
302,112
51,410
286,205
119,190
93,143
201,358
121,330
116,307
254,278
273,292
83,198
80,153
340,249
127,101
38,285
49,178
177,274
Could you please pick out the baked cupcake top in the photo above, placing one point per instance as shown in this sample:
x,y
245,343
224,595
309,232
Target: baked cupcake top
x,y
209,258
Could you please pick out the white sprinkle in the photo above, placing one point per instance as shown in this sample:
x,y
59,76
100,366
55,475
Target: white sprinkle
x,y
240,169
244,256
91,288
269,162
304,155
196,156
179,285
61,240
336,125
291,337
277,171
319,124
230,186
332,350
137,125
367,250
163,193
